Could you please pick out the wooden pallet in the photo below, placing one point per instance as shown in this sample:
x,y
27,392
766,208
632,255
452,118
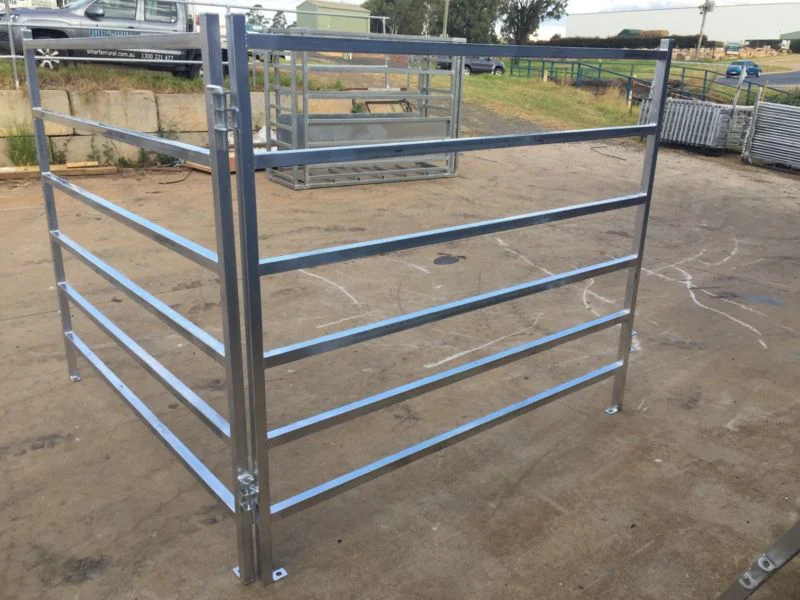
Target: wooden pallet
x,y
76,168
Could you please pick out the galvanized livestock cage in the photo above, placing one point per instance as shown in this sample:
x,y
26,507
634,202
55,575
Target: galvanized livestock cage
x,y
247,428
361,113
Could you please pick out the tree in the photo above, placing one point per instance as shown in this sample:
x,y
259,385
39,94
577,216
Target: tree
x,y
256,17
471,19
406,17
521,18
279,20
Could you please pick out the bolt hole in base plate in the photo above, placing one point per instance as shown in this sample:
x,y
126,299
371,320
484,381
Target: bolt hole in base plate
x,y
277,574
611,410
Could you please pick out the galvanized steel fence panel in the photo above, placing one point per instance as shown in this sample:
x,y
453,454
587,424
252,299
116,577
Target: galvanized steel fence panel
x,y
775,136
694,123
247,426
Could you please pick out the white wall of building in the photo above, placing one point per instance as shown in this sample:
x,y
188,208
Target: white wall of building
x,y
724,24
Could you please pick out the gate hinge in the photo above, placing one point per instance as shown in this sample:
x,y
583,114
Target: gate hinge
x,y
248,491
226,117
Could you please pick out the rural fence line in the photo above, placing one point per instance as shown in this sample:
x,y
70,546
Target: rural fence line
x,y
685,82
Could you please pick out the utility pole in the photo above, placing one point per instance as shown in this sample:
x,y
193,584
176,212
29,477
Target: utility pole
x,y
444,23
705,8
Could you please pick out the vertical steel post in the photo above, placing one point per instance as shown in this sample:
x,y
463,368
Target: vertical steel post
x,y
306,116
251,290
661,82
529,68
293,98
217,118
453,100
43,155
458,74
11,46
705,84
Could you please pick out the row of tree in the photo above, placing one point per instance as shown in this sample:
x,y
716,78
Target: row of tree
x,y
257,17
475,20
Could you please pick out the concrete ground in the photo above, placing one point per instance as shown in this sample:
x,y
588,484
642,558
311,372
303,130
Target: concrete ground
x,y
670,499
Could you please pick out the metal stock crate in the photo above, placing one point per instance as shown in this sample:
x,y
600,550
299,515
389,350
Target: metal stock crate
x,y
431,112
246,427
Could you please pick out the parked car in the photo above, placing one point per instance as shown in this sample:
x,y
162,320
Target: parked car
x,y
102,18
735,69
475,64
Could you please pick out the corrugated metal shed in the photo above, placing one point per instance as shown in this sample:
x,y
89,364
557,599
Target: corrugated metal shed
x,y
333,16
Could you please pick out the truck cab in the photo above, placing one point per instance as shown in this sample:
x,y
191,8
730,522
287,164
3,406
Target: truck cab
x,y
102,18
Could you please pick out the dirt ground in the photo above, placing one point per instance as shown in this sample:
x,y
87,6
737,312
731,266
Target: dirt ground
x,y
670,499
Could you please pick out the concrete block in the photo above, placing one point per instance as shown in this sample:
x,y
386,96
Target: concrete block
x,y
257,105
133,109
4,160
77,148
197,138
16,111
181,112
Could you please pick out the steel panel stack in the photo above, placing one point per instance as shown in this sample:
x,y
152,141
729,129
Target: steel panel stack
x,y
775,137
694,123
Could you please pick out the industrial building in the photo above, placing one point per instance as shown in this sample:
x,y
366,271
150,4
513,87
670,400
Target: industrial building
x,y
333,16
732,23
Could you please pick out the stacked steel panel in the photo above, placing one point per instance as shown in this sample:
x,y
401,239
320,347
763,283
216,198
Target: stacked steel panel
x,y
694,123
775,136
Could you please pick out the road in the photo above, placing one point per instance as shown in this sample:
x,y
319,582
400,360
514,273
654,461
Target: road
x,y
789,79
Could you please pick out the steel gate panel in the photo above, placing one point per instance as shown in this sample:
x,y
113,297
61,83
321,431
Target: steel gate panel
x,y
245,428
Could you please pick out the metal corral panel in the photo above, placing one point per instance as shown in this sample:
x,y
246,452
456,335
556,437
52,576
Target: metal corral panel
x,y
776,136
740,125
362,128
694,123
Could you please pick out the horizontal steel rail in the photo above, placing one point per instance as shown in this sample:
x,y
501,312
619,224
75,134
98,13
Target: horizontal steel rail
x,y
165,41
197,335
326,256
153,143
177,388
177,243
374,94
162,432
258,41
355,478
325,120
342,414
289,158
356,335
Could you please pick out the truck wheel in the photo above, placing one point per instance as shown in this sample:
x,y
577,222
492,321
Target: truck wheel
x,y
467,70
498,71
47,58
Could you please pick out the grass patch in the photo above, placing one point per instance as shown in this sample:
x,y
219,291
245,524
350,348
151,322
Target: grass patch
x,y
548,104
21,146
95,77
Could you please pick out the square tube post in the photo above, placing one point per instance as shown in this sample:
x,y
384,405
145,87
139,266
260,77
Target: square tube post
x,y
251,283
656,111
217,117
43,155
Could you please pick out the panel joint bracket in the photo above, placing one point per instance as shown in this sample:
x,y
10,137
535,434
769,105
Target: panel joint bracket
x,y
248,493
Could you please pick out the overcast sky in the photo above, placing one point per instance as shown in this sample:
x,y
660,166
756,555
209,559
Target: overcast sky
x,y
548,28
